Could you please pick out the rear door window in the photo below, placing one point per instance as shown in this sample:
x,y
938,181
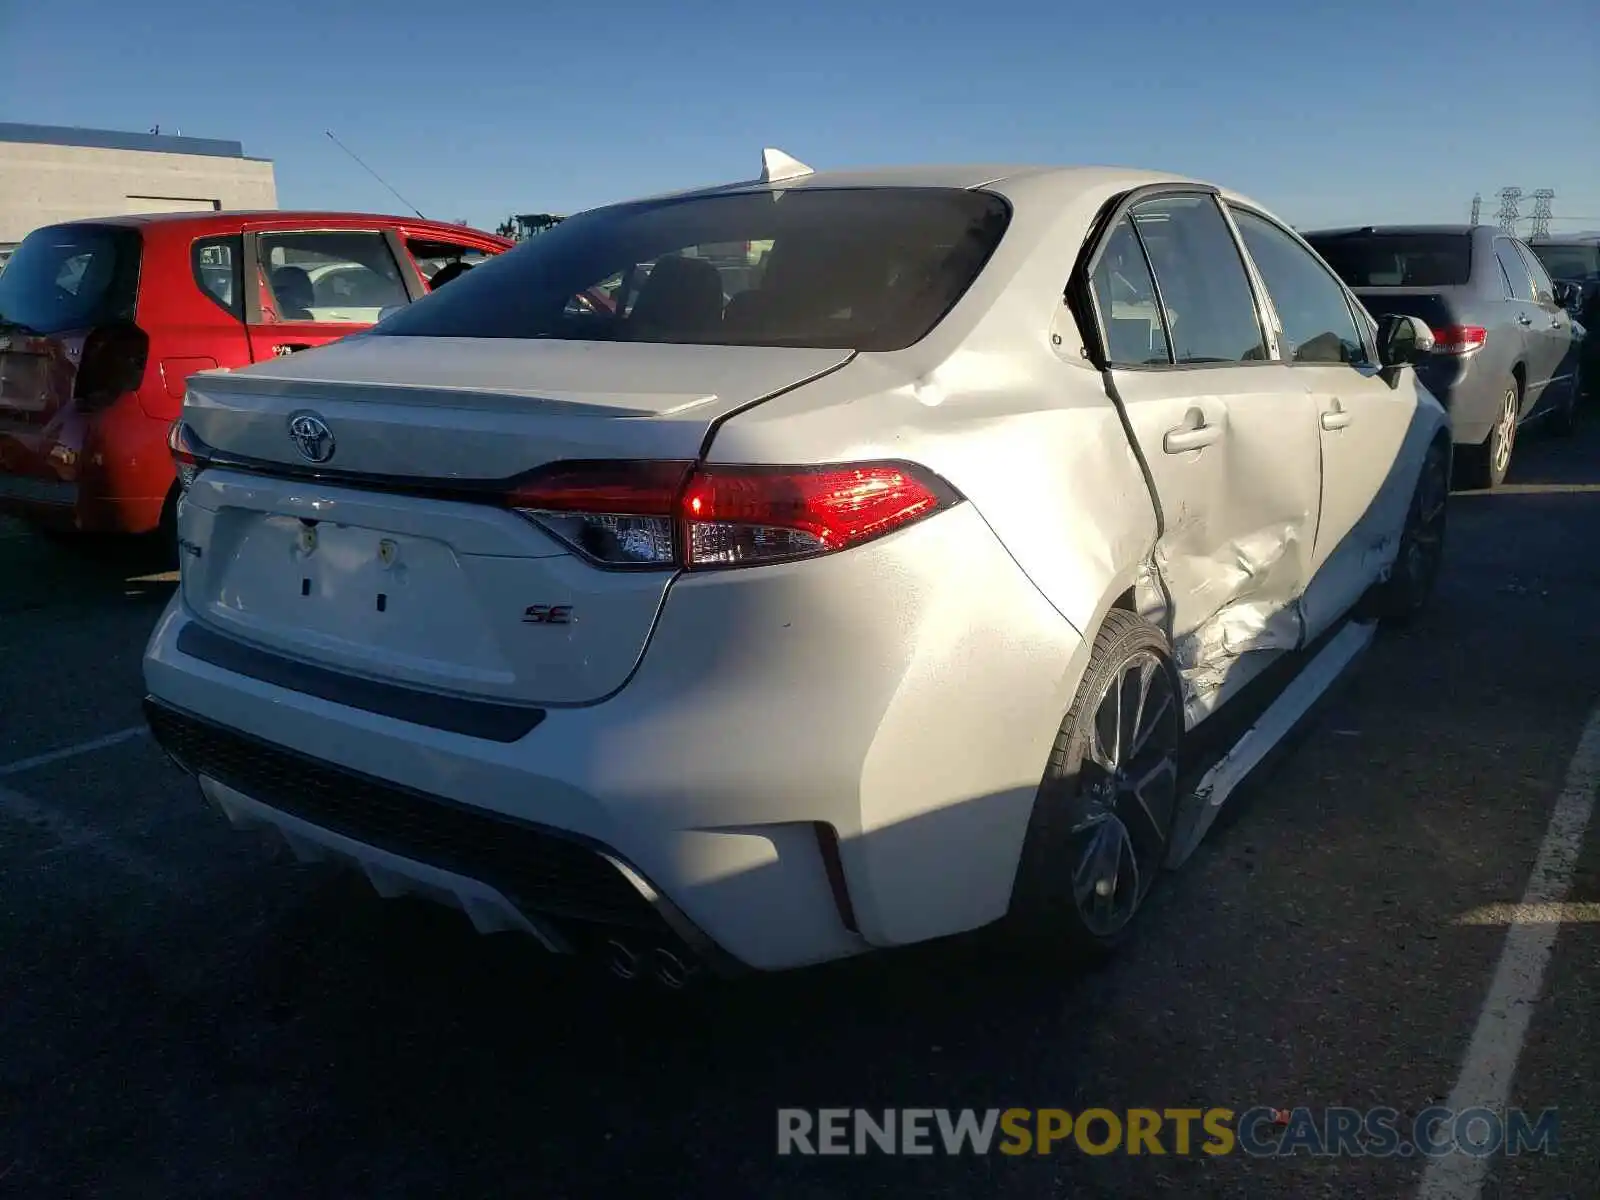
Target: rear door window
x,y
1409,260
1209,305
835,268
327,277
1543,289
1129,309
71,277
1517,275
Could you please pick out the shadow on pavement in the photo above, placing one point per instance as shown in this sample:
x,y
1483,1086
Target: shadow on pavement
x,y
41,571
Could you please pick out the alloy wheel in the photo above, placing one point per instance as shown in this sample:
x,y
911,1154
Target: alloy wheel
x,y
1128,791
1505,433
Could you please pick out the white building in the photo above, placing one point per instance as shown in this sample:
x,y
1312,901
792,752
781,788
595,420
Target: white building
x,y
52,173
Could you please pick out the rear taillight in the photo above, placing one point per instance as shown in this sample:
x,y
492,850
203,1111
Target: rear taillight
x,y
734,515
188,453
1459,339
615,513
671,514
111,364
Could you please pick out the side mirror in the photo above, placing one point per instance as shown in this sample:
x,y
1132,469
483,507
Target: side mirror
x,y
1402,340
1568,294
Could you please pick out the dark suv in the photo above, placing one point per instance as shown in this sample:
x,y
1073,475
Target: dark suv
x,y
1576,260
1505,348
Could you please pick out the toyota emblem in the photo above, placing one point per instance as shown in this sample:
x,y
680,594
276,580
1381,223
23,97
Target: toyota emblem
x,y
311,436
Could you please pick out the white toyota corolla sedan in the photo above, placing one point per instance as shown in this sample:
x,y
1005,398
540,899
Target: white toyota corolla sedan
x,y
774,572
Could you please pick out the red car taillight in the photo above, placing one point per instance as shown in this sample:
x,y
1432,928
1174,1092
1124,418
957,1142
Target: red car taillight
x,y
673,514
111,364
1459,339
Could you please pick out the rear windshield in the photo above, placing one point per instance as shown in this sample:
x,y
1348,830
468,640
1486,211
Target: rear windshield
x,y
1577,262
861,269
1423,260
71,277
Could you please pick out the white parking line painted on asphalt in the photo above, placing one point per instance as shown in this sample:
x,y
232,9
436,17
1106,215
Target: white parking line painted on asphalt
x,y
1491,1060
89,747
70,835
1572,912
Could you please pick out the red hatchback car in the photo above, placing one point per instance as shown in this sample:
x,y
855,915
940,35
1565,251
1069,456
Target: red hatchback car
x,y
103,321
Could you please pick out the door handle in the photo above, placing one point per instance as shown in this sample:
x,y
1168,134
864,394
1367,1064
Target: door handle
x,y
1335,418
1190,437
1524,319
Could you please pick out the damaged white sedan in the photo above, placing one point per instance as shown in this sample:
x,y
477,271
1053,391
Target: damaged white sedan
x,y
766,574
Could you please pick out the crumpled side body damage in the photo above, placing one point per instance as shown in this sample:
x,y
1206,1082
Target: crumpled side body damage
x,y
1251,589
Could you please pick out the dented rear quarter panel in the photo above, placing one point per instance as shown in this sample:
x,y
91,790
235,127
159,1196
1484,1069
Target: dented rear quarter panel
x,y
990,401
1001,400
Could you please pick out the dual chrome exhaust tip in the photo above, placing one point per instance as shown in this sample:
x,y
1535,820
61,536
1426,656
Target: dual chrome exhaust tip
x,y
666,967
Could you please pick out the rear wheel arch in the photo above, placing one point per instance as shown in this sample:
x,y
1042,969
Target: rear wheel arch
x,y
1133,589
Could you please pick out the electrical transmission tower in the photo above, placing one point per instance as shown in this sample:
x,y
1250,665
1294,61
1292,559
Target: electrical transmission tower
x,y
1508,216
1541,212
1477,206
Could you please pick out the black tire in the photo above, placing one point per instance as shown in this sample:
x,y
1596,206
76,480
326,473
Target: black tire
x,y
1483,467
1060,901
1402,597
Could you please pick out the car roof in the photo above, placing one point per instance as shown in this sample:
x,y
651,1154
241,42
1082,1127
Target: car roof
x,y
1347,230
1040,181
222,221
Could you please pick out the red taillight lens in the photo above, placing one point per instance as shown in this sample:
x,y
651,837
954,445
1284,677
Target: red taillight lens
x,y
112,364
735,515
668,514
188,453
1459,339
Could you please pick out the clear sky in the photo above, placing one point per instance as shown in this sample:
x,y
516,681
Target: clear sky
x,y
1357,111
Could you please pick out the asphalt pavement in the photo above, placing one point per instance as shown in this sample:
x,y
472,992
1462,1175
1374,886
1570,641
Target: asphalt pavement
x,y
186,1012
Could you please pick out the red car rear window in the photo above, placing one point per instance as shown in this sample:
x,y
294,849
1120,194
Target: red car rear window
x,y
72,277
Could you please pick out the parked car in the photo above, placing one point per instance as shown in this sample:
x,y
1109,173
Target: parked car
x,y
103,322
1576,260
1505,351
873,605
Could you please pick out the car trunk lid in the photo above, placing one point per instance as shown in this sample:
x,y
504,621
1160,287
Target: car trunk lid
x,y
396,557
1433,305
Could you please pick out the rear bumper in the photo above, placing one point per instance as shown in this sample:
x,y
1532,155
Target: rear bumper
x,y
505,874
1471,395
882,698
105,473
